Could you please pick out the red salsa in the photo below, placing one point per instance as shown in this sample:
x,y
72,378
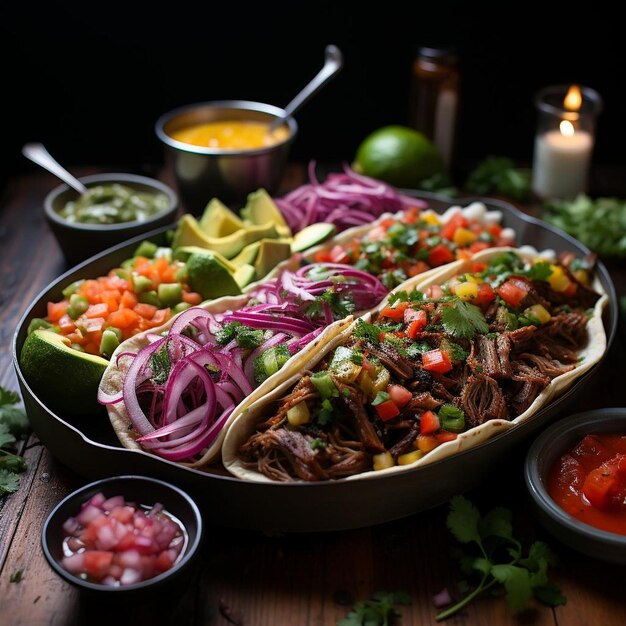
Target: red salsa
x,y
589,482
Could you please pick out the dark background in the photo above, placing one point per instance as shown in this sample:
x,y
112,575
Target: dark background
x,y
90,80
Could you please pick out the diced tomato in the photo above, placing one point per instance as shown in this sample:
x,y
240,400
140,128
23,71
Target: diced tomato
x,y
399,394
436,361
486,294
445,436
387,410
458,220
128,299
56,310
417,322
322,256
66,324
377,233
494,230
396,313
600,486
163,562
440,255
97,563
338,254
571,289
145,310
192,297
513,292
411,215
478,246
123,318
419,267
429,423
478,267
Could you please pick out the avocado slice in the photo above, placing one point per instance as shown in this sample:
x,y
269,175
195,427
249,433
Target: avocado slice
x,y
311,235
219,221
271,253
248,255
244,275
189,233
210,277
261,209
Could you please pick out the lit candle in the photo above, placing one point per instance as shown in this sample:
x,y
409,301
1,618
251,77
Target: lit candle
x,y
561,162
563,149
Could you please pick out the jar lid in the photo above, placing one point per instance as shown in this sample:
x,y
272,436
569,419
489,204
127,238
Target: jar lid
x,y
443,54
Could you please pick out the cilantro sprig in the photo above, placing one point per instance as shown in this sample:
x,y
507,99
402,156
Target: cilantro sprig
x,y
379,610
499,558
13,424
463,320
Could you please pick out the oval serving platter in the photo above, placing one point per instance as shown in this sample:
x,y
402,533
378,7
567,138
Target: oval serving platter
x,y
89,446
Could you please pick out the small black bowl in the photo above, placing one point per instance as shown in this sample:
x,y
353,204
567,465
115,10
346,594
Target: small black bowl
x,y
81,241
547,449
144,491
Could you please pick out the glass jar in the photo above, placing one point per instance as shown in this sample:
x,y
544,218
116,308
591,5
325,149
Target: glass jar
x,y
434,98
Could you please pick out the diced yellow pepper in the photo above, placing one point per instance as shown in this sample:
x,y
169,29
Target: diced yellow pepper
x,y
463,237
430,218
539,312
466,291
558,279
383,461
582,276
299,414
426,443
410,457
473,278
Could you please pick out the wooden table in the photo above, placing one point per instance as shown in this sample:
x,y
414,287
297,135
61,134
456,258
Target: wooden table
x,y
249,578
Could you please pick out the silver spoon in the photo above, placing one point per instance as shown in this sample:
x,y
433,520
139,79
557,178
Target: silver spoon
x,y
37,153
333,62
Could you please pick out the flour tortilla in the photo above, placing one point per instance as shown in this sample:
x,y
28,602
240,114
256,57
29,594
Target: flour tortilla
x,y
113,378
244,424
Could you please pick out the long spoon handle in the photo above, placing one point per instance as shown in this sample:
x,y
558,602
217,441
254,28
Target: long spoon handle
x,y
333,62
37,153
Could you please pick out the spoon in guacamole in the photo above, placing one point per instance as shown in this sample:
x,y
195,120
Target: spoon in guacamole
x,y
37,153
333,62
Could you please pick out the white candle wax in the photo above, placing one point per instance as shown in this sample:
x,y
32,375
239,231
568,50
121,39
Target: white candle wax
x,y
560,163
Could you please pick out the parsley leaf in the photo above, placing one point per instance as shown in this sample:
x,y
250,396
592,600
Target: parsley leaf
x,y
367,331
462,319
498,557
6,438
379,610
9,482
13,417
341,304
499,175
539,271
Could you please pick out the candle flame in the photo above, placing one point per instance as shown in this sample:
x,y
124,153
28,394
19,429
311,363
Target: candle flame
x,y
567,128
573,100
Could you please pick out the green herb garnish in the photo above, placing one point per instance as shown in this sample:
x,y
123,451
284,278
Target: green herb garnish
x,y
13,423
379,610
499,175
497,557
463,320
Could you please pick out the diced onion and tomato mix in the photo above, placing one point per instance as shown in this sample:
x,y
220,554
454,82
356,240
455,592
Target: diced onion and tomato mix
x,y
399,248
428,367
117,543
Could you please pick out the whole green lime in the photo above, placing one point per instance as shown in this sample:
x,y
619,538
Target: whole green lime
x,y
63,378
398,155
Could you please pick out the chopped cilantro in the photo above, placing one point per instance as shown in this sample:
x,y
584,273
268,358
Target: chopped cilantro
x,y
356,357
539,271
245,336
227,333
463,320
417,348
318,444
367,331
325,414
498,557
159,364
341,304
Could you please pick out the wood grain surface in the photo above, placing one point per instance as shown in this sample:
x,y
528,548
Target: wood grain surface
x,y
250,578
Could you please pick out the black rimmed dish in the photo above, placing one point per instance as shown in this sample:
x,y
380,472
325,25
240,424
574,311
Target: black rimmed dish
x,y
203,172
88,445
546,450
144,492
80,241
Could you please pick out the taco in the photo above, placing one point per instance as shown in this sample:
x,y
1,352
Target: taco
x,y
173,391
441,366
